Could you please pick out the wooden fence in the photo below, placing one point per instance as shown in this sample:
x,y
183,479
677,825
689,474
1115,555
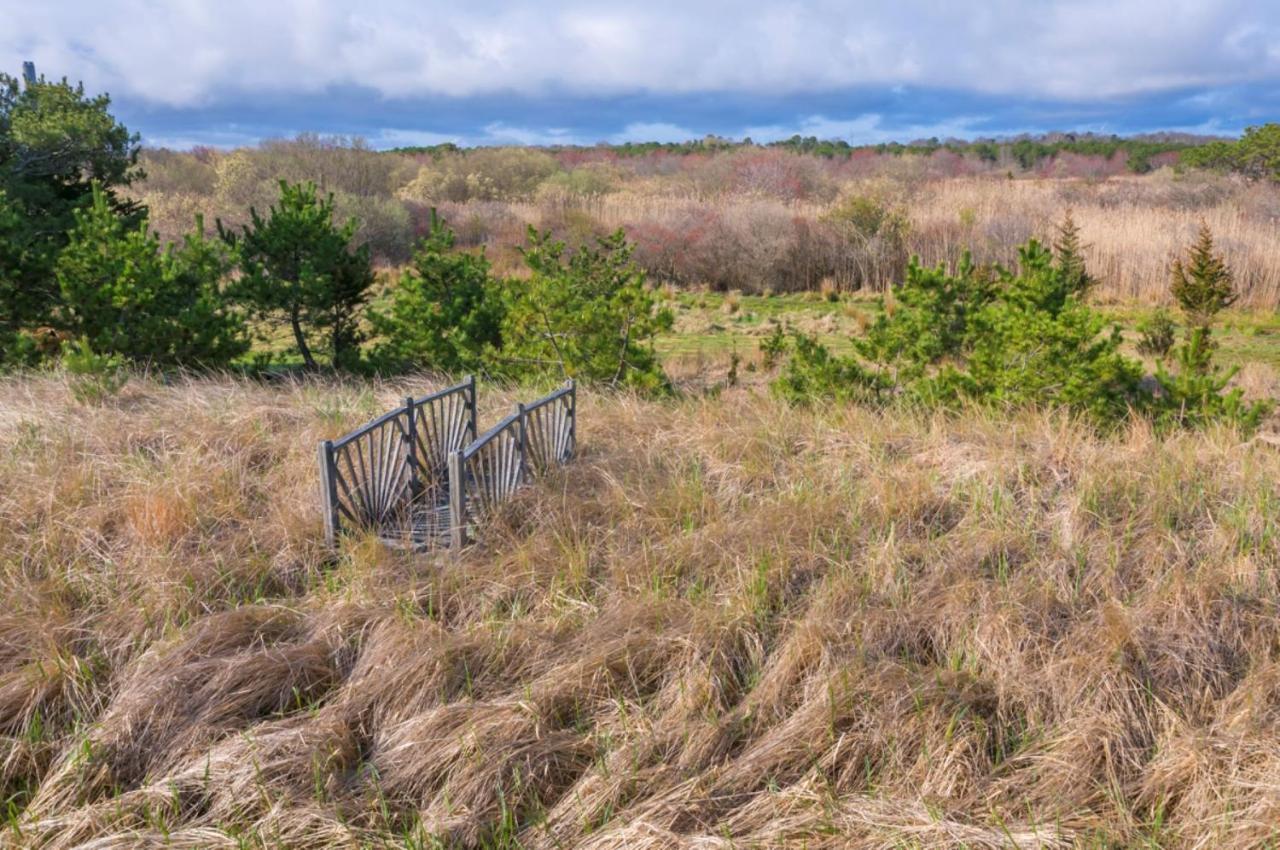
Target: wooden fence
x,y
420,477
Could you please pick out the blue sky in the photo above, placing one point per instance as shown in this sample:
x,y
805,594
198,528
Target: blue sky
x,y
186,72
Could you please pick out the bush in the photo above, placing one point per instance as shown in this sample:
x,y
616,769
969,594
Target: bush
x,y
384,224
985,334
1027,339
179,172
1197,393
445,313
126,295
93,377
1037,344
484,174
584,183
813,373
1157,334
588,316
930,320
876,230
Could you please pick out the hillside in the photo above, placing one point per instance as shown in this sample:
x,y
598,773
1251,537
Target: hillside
x,y
729,623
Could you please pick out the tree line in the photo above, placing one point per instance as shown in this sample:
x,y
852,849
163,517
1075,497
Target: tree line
x,y
80,269
83,278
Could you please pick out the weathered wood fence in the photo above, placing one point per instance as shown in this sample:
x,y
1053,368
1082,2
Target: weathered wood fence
x,y
419,476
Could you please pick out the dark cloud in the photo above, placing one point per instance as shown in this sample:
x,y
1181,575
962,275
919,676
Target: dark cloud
x,y
400,71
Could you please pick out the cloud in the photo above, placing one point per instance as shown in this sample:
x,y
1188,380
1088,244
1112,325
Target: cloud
x,y
870,128
653,131
188,53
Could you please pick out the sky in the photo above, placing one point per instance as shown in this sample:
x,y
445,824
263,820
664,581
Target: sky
x,y
474,72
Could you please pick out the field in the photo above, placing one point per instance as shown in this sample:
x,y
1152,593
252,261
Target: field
x,y
730,623
713,325
757,220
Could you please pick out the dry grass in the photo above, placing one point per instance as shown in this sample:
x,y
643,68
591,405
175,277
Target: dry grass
x,y
756,220
1133,226
729,624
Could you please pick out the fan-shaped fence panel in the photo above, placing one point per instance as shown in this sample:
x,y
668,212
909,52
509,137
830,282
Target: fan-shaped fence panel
x,y
487,473
372,473
444,422
526,443
391,475
419,475
549,431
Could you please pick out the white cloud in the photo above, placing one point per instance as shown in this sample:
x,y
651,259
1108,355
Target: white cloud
x,y
648,131
186,52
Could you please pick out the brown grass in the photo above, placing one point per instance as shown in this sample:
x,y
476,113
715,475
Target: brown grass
x,y
729,624
757,220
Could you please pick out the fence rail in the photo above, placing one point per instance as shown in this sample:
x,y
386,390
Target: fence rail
x,y
420,476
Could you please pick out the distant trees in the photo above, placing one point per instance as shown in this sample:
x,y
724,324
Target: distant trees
x,y
1256,154
298,267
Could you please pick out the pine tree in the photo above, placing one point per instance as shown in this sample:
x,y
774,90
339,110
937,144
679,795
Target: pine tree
x,y
1069,253
56,145
587,316
1199,392
1203,285
125,294
299,267
444,314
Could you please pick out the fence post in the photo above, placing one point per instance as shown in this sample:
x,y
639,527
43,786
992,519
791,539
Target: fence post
x,y
471,406
457,501
573,418
328,492
415,481
521,433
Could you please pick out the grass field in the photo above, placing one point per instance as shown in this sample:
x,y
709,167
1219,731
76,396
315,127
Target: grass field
x,y
730,623
712,325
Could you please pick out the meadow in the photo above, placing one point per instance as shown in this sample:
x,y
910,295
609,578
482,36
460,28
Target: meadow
x,y
753,219
729,623
853,552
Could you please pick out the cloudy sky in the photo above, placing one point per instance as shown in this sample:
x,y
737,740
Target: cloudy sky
x,y
226,72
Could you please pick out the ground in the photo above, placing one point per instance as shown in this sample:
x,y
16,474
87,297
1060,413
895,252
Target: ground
x,y
728,623
711,325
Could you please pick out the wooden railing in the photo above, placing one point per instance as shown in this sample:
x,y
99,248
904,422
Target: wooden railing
x,y
420,476
376,476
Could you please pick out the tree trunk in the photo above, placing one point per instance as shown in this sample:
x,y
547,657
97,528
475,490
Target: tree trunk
x,y
301,339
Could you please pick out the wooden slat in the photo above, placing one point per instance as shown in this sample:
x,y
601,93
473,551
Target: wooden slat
x,y
423,469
